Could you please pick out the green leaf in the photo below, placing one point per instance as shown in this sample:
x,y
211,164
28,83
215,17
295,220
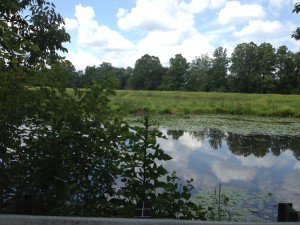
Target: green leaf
x,y
3,24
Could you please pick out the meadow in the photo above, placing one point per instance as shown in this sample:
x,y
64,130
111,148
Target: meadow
x,y
198,103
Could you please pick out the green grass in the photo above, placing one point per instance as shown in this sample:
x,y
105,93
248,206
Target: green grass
x,y
196,103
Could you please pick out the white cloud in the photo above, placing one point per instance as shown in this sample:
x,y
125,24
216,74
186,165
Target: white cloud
x,y
121,12
84,14
227,172
279,4
260,28
161,38
166,44
297,165
196,45
151,15
81,59
187,140
196,6
235,12
165,28
273,32
266,162
180,151
70,24
217,3
170,31
92,34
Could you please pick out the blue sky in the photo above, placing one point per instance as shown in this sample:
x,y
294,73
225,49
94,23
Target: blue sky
x,y
121,31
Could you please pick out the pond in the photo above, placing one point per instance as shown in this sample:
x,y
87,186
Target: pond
x,y
254,171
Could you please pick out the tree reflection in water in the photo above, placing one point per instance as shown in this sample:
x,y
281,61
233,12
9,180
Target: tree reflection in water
x,y
245,144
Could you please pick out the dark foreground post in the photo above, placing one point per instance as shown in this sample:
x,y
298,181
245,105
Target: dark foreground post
x,y
286,213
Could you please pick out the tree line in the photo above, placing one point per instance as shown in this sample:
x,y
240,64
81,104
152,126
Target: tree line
x,y
251,68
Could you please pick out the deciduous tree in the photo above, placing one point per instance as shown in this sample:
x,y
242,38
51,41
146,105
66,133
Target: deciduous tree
x,y
197,79
176,77
147,73
217,75
31,34
245,68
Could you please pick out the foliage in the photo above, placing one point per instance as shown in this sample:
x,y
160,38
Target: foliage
x,y
67,153
267,67
123,75
67,162
31,33
61,153
175,200
145,179
244,68
217,80
198,79
147,73
176,76
141,153
286,72
296,34
251,68
103,72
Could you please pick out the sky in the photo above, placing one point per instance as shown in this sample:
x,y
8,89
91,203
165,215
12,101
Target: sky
x,y
121,31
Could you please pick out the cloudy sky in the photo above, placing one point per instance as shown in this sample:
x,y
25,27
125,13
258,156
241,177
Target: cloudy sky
x,y
121,31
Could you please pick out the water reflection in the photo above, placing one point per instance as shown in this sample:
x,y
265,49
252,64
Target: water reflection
x,y
257,162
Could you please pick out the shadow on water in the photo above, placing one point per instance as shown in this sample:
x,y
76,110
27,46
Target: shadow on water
x,y
256,170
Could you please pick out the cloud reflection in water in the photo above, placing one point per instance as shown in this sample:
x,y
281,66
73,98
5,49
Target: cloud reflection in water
x,y
257,162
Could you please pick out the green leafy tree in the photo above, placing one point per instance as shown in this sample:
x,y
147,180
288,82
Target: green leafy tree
x,y
68,162
286,70
176,77
31,34
141,171
297,72
123,75
296,34
145,179
147,73
197,79
267,62
217,75
103,72
245,68
61,74
175,201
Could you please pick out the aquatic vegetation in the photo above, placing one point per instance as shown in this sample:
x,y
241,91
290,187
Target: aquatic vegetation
x,y
237,204
229,123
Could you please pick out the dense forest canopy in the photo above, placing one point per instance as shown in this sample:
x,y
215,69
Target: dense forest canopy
x,y
251,68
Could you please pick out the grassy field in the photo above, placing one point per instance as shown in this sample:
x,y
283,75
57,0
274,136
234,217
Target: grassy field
x,y
197,103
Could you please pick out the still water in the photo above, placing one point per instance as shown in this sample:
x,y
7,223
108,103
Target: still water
x,y
255,171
